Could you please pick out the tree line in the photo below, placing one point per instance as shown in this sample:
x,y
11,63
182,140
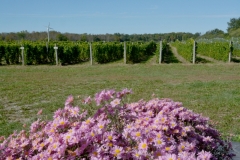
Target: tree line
x,y
119,37
233,30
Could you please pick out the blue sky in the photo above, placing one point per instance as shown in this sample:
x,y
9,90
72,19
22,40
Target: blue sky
x,y
117,16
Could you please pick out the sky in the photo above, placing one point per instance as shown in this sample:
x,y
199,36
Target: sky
x,y
117,16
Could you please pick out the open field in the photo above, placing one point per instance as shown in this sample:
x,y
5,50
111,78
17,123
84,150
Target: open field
x,y
210,89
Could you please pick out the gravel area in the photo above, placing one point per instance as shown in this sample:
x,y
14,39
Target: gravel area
x,y
236,149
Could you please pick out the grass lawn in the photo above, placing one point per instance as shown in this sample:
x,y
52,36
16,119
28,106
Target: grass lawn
x,y
210,89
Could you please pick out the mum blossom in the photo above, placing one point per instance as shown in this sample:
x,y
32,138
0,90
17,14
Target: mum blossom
x,y
69,100
204,155
157,129
39,112
170,149
117,152
87,100
170,157
159,143
143,145
115,102
74,112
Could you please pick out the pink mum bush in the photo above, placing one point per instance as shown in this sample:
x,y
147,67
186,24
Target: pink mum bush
x,y
158,129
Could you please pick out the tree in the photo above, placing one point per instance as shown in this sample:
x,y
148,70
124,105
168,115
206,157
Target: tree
x,y
62,37
235,33
84,37
22,34
11,36
117,37
233,24
215,33
96,38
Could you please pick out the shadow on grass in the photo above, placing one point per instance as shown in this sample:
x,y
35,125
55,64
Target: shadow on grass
x,y
202,60
145,60
168,56
236,60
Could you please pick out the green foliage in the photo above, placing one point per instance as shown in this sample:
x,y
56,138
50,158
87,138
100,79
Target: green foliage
x,y
213,34
36,53
107,52
120,37
167,55
216,50
68,53
62,37
104,52
12,53
234,33
236,49
74,52
185,49
41,53
83,50
137,52
2,51
233,24
22,34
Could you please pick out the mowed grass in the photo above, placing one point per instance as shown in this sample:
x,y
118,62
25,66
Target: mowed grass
x,y
210,89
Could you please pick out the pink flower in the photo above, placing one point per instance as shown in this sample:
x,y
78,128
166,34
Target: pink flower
x,y
159,142
207,139
104,95
39,112
74,112
190,146
143,145
117,151
2,138
115,102
182,147
62,122
170,149
87,100
170,157
158,153
123,93
69,100
137,135
9,158
203,155
186,155
89,121
73,140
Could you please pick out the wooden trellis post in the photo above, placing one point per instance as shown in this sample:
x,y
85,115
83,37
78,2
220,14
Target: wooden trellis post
x,y
125,53
160,52
194,52
22,48
56,55
91,59
230,52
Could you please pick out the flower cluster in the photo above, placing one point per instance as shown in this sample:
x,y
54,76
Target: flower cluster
x,y
158,129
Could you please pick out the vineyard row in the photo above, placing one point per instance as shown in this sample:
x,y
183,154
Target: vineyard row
x,y
222,51
73,53
105,52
